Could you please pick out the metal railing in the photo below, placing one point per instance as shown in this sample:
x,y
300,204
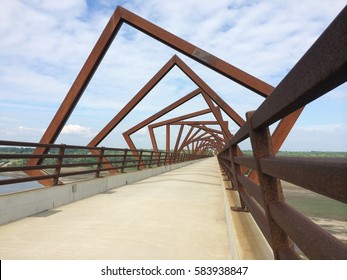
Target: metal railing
x,y
321,69
59,161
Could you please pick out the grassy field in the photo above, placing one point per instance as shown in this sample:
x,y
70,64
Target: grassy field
x,y
326,212
312,204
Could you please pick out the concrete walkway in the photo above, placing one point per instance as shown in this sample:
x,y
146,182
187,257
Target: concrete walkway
x,y
176,215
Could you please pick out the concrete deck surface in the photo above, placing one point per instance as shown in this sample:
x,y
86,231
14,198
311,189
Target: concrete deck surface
x,y
176,215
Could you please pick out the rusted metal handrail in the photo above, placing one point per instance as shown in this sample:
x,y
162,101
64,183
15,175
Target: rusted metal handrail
x,y
321,69
97,162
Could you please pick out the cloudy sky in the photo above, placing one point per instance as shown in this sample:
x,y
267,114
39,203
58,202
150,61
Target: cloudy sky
x,y
44,43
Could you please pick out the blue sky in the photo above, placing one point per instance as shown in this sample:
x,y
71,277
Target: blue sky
x,y
43,45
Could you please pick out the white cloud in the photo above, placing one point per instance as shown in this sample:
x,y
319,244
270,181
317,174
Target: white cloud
x,y
43,51
329,137
76,129
23,128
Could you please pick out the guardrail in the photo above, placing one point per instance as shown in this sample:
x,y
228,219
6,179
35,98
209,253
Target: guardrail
x,y
56,163
320,70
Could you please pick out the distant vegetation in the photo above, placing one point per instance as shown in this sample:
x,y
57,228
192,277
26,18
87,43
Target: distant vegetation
x,y
303,154
15,150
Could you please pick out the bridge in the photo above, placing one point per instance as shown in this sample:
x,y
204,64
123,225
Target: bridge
x,y
201,199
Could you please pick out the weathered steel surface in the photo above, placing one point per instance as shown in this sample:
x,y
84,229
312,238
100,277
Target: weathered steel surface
x,y
270,186
94,167
326,176
196,53
321,69
315,242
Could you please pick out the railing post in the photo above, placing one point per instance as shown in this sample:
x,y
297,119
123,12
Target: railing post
x,y
236,170
140,158
124,160
150,160
271,187
166,159
101,155
158,163
59,164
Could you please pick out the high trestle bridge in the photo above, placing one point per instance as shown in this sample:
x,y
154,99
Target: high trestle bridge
x,y
200,198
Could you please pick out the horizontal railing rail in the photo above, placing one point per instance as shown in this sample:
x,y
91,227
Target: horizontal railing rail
x,y
320,70
60,160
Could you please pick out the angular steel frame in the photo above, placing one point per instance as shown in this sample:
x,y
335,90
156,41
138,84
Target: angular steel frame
x,y
189,139
120,16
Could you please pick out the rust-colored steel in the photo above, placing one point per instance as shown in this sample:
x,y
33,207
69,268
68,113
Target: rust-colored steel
x,y
321,69
279,135
133,102
326,176
209,91
217,114
178,138
189,139
151,127
185,139
122,15
118,156
271,187
168,138
211,130
81,81
119,16
212,95
163,112
307,235
184,117
196,53
177,121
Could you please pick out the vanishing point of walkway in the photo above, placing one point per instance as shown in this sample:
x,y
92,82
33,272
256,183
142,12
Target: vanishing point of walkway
x,y
176,215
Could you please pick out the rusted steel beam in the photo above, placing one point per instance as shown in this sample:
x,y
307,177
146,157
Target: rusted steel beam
x,y
133,102
251,188
189,140
177,120
217,114
156,32
186,138
178,138
167,138
163,112
196,53
106,164
279,136
246,161
82,80
204,141
238,137
216,138
284,127
195,123
230,112
271,187
183,117
209,91
211,130
321,69
326,176
258,215
121,15
203,137
315,242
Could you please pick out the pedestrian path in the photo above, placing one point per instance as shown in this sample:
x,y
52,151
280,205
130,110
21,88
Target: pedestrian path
x,y
175,215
